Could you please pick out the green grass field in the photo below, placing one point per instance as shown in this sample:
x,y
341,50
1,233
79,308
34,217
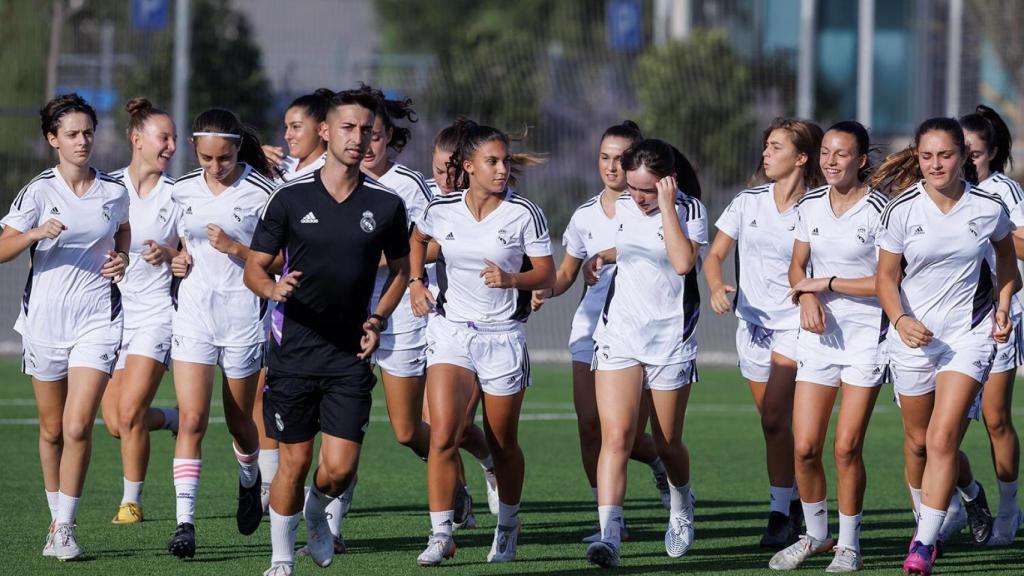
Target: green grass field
x,y
388,524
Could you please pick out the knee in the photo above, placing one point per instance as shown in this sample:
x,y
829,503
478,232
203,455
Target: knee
x,y
847,452
617,440
337,471
774,425
51,432
292,469
942,440
998,425
914,444
806,453
113,425
240,426
130,419
191,424
404,434
590,432
78,431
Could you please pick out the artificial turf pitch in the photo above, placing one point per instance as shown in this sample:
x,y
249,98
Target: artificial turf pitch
x,y
388,524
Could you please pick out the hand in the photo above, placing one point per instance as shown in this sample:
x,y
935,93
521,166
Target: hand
x,y
154,254
181,264
720,298
808,286
49,230
913,333
115,266
219,239
274,153
1002,327
812,314
495,277
370,340
667,190
538,298
592,270
421,300
286,286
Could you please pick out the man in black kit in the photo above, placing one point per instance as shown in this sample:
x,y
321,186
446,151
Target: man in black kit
x,y
331,226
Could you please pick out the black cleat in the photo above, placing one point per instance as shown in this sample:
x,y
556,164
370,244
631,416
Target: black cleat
x,y
979,517
250,507
779,532
796,519
183,543
463,507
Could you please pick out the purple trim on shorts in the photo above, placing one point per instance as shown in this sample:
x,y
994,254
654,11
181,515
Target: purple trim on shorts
x,y
980,315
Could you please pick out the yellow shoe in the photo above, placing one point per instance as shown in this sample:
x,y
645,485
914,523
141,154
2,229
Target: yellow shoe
x,y
129,513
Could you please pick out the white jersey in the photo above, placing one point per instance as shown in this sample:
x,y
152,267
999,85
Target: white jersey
x,y
212,303
146,289
947,283
590,231
1011,193
649,305
289,169
514,231
844,246
66,300
764,249
412,188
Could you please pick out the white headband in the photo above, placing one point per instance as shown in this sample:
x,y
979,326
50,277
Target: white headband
x,y
221,134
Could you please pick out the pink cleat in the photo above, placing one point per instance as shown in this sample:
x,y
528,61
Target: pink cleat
x,y
920,560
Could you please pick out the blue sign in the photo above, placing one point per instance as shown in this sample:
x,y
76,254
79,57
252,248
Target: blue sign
x,y
150,14
103,100
625,24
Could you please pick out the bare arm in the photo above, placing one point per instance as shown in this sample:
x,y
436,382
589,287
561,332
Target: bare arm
x,y
682,252
887,284
13,242
720,248
258,278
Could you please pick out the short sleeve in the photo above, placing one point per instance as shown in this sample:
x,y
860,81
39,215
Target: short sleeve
x,y
25,211
891,232
800,232
572,239
536,239
1017,215
271,230
396,243
1004,225
729,221
123,210
694,220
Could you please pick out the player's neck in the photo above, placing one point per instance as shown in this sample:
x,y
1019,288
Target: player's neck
x,y
379,170
608,199
982,176
789,189
78,178
339,179
143,178
481,203
311,157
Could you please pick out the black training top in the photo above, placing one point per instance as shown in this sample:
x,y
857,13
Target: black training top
x,y
337,247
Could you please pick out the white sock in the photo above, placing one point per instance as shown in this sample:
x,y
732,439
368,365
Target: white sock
x,y
657,466
282,537
781,496
170,418
52,501
611,523
267,461
67,507
316,504
487,463
132,492
248,466
816,519
849,531
334,516
915,497
1007,498
680,498
929,525
442,522
508,514
970,492
186,484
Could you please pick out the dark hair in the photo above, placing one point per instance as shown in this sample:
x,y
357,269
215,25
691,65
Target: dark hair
x,y
350,98
860,133
627,129
663,159
315,104
989,126
806,138
471,136
140,110
391,110
223,121
902,169
60,106
447,140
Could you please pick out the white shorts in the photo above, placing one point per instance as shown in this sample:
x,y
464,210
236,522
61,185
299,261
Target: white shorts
x,y
235,361
52,364
666,377
825,374
151,342
497,354
914,375
583,351
402,355
1010,354
755,344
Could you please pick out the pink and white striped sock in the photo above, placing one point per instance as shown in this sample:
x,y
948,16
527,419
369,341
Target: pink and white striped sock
x,y
248,466
186,484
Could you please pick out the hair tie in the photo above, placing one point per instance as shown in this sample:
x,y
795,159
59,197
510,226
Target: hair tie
x,y
221,134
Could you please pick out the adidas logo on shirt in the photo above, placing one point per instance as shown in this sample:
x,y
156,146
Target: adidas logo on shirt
x,y
309,219
188,210
814,232
55,211
917,230
753,223
450,236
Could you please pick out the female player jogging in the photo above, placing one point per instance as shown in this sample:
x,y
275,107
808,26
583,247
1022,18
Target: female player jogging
x,y
146,299
935,283
760,223
496,250
840,343
217,320
73,221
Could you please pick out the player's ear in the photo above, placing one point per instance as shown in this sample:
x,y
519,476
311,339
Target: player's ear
x,y
51,137
323,131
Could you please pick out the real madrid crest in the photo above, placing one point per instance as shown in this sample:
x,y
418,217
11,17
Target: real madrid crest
x,y
862,234
367,223
661,232
106,213
237,214
163,215
503,237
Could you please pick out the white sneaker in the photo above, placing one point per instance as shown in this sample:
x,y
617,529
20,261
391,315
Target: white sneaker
x,y
603,553
65,546
440,547
492,490
679,536
1004,530
279,569
320,545
661,483
793,556
48,546
953,524
846,560
503,548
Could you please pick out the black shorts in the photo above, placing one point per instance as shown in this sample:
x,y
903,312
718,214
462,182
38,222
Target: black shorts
x,y
296,408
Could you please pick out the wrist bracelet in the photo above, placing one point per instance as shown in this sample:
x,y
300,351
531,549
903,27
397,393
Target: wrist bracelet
x,y
418,279
830,281
896,323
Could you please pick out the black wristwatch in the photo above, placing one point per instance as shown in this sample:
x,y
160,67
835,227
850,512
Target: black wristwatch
x,y
381,321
